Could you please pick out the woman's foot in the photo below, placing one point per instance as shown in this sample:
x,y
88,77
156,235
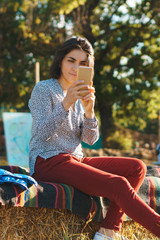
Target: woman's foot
x,y
100,236
108,234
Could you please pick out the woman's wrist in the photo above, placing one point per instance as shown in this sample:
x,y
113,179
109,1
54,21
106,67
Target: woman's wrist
x,y
90,115
65,105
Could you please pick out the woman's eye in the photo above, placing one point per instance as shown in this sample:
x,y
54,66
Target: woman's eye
x,y
70,61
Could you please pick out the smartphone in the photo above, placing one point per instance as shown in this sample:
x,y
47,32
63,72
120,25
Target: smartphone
x,y
85,73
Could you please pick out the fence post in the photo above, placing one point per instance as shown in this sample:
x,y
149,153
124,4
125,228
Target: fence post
x,y
37,72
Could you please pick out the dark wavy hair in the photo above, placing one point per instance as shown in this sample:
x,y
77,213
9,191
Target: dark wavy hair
x,y
72,43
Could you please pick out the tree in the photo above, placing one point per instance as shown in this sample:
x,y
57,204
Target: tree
x,y
125,36
126,42
28,33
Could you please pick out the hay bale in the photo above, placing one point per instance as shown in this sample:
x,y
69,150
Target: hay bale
x,y
41,224
26,223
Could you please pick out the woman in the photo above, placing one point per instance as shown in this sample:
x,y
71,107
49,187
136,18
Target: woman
x,y
62,118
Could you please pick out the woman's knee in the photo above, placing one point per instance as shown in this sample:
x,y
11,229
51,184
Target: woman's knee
x,y
117,184
140,168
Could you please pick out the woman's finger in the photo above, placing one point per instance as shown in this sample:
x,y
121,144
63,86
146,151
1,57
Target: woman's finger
x,y
89,97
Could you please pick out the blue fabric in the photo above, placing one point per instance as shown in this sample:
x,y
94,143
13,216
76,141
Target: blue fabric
x,y
19,179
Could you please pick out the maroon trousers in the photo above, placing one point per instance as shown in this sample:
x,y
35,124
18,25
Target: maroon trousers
x,y
116,178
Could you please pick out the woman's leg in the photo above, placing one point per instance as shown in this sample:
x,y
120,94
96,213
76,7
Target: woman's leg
x,y
67,169
132,169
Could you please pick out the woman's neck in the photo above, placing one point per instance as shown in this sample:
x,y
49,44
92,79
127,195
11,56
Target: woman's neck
x,y
63,84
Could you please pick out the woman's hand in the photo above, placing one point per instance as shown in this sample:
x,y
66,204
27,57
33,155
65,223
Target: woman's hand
x,y
74,92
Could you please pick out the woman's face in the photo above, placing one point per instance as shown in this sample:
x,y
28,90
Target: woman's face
x,y
69,67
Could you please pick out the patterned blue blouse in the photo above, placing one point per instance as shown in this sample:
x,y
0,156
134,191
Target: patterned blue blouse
x,y
55,130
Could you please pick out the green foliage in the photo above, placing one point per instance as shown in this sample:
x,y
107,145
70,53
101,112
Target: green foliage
x,y
119,140
144,110
28,33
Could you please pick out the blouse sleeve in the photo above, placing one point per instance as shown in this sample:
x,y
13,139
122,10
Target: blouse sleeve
x,y
90,132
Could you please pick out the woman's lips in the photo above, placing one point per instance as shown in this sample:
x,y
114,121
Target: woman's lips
x,y
74,75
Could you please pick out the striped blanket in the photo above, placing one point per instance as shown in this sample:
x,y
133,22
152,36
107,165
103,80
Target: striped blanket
x,y
50,195
62,196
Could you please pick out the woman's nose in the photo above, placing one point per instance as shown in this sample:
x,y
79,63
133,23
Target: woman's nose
x,y
75,67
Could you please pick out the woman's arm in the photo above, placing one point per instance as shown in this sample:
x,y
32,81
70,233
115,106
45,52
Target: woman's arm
x,y
90,133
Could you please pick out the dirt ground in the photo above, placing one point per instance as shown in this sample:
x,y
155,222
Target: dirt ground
x,y
146,155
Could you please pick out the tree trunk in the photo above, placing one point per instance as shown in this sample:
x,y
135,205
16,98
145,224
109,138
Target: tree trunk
x,y
107,123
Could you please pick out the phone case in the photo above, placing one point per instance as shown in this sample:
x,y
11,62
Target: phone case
x,y
85,73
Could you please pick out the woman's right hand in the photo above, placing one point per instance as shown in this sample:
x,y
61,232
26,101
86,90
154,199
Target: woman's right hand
x,y
75,92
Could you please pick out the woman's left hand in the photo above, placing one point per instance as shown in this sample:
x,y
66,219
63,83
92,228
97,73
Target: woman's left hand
x,y
88,103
